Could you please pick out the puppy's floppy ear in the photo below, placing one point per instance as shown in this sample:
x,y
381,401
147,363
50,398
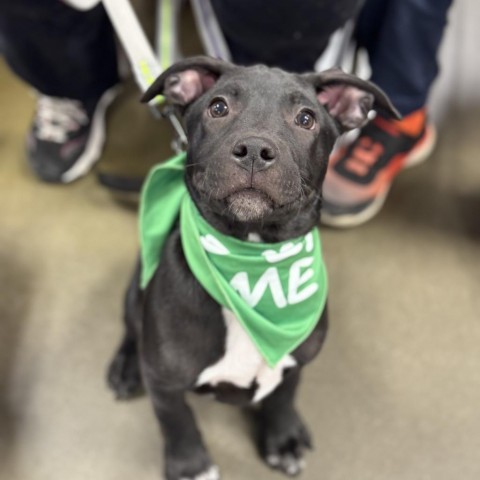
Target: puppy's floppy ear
x,y
348,98
185,81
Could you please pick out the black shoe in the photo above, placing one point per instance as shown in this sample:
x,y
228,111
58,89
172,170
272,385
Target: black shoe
x,y
67,136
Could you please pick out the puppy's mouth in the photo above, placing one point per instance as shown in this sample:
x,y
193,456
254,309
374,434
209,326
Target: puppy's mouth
x,y
249,205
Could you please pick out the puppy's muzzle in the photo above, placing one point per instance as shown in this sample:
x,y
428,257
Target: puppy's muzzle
x,y
254,154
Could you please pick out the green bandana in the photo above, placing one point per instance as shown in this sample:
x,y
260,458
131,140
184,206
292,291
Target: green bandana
x,y
276,290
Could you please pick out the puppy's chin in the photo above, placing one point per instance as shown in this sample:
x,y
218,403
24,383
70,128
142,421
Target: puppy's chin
x,y
249,205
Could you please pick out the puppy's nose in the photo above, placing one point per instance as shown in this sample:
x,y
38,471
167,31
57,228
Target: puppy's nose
x,y
254,153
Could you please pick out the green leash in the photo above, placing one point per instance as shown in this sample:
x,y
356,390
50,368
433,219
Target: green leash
x,y
276,290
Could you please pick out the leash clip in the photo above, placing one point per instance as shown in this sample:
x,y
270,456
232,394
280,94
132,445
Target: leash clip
x,y
180,142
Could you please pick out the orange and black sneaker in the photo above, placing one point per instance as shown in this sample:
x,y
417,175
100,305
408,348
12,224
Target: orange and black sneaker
x,y
360,175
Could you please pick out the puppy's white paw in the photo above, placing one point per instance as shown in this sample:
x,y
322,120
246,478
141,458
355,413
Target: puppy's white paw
x,y
283,448
211,474
287,463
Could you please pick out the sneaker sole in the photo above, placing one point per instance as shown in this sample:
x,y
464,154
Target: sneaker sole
x,y
417,156
95,142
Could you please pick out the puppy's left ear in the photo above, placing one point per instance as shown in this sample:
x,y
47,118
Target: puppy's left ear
x,y
348,99
187,80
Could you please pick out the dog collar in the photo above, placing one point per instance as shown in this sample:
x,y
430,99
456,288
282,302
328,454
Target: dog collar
x,y
277,291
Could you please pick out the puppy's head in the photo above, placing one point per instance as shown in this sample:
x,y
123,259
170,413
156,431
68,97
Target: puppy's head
x,y
260,138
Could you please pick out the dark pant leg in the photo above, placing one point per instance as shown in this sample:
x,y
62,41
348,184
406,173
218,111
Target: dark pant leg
x,y
402,38
58,50
290,34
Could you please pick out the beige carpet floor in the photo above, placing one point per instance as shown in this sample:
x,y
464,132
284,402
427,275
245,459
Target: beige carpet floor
x,y
395,394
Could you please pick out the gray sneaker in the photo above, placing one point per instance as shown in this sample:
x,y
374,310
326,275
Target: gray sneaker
x,y
67,136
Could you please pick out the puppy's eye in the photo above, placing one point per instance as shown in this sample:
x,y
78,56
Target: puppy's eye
x,y
305,120
218,108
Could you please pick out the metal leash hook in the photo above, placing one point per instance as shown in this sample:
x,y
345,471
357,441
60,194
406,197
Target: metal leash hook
x,y
160,111
180,142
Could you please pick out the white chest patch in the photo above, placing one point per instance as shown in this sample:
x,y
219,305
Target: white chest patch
x,y
242,363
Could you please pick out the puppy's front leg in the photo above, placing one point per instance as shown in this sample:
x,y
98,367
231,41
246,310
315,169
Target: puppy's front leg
x,y
186,457
283,436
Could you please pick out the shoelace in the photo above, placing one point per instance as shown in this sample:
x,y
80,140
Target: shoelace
x,y
56,117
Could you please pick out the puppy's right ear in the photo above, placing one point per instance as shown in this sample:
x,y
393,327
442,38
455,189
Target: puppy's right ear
x,y
187,80
348,98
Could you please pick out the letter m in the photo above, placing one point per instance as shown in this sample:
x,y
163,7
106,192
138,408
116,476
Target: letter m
x,y
269,279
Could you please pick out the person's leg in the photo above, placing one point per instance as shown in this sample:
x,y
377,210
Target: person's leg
x,y
69,58
281,33
60,51
402,38
403,56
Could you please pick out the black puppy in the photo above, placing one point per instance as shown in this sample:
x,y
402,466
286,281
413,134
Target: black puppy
x,y
259,142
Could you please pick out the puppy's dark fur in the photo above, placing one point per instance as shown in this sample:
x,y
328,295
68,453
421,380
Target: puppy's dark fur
x,y
255,168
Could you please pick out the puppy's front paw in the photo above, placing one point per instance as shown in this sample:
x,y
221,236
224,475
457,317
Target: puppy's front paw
x,y
283,445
